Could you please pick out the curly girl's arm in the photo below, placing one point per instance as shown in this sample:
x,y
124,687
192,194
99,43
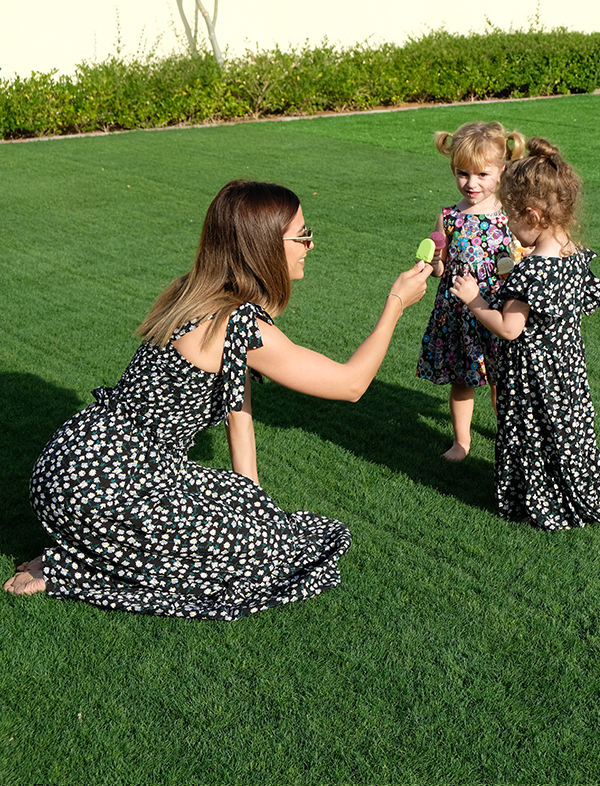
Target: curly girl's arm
x,y
508,323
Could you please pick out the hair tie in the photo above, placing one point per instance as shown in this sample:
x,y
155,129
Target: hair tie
x,y
554,160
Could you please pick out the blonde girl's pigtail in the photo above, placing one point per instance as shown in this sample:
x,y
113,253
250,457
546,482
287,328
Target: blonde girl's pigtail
x,y
517,150
443,142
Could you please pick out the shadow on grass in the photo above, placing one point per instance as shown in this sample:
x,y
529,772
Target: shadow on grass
x,y
30,411
388,426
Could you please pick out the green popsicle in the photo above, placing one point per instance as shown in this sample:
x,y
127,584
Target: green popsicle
x,y
426,250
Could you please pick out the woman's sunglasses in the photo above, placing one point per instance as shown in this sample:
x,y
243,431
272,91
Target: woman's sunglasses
x,y
306,237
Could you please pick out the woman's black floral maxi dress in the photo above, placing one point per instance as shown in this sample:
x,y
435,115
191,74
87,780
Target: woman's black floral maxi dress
x,y
139,527
547,461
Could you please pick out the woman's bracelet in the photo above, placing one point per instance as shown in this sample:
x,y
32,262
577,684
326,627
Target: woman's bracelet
x,y
393,294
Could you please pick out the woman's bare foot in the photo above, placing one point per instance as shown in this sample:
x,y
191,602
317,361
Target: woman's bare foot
x,y
28,579
457,452
34,564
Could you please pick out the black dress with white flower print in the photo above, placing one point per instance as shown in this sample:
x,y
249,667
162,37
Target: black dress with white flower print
x,y
139,527
547,462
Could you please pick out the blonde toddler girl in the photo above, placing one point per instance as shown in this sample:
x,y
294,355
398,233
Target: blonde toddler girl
x,y
456,349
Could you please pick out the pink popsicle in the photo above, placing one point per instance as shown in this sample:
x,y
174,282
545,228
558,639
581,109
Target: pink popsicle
x,y
439,238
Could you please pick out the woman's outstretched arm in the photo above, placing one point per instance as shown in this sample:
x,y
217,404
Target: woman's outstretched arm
x,y
309,372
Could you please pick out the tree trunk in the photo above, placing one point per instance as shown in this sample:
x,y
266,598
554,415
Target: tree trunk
x,y
210,26
188,31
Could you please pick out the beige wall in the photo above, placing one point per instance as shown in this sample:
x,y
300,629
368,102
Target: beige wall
x,y
41,35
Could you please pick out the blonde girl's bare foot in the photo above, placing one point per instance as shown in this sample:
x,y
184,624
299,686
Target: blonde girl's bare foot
x,y
28,579
457,452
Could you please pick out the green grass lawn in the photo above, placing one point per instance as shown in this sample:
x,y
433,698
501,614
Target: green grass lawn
x,y
458,649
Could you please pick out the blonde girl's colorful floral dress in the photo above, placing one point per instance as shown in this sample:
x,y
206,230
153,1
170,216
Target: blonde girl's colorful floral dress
x,y
139,527
456,348
547,461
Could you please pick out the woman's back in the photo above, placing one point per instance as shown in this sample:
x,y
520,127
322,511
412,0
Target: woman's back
x,y
165,393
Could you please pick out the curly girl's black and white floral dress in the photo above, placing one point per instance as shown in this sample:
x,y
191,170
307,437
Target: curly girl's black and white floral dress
x,y
547,462
139,527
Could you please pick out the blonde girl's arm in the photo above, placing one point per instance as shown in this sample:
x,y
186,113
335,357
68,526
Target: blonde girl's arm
x,y
439,258
508,323
240,438
309,372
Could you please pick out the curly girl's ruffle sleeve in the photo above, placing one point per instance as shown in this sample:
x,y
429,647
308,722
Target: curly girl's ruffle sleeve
x,y
591,289
243,333
539,285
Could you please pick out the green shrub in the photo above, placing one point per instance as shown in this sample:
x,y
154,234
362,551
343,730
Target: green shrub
x,y
445,67
440,67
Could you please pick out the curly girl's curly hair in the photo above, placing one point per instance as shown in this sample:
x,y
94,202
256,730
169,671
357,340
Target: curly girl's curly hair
x,y
545,181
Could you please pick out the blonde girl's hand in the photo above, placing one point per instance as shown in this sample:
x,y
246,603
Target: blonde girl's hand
x,y
412,284
465,288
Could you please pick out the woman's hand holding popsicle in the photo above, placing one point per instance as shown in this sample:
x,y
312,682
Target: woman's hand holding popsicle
x,y
430,251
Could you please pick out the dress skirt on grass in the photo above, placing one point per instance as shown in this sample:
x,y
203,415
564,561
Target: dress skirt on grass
x,y
547,462
456,348
139,527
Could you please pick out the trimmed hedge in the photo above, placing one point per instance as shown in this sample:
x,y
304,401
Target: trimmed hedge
x,y
439,67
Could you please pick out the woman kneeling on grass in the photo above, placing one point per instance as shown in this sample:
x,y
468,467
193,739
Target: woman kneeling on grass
x,y
139,527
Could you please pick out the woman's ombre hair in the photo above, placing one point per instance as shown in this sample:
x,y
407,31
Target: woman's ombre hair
x,y
241,258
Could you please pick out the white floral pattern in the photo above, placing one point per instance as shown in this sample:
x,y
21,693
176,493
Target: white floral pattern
x,y
139,527
547,462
